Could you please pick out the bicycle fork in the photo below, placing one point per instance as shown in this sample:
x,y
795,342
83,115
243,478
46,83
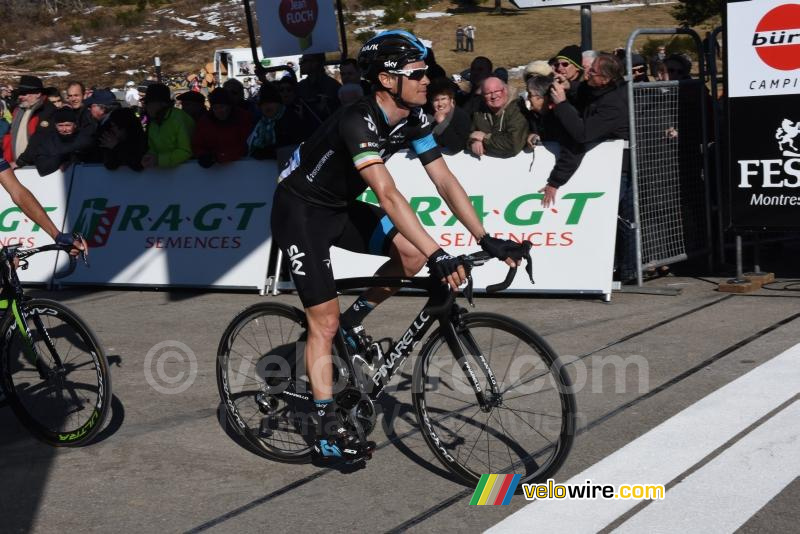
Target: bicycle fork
x,y
463,346
31,352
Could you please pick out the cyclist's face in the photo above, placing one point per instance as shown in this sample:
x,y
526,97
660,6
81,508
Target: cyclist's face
x,y
415,92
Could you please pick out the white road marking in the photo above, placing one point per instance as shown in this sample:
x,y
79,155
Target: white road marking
x,y
668,450
723,495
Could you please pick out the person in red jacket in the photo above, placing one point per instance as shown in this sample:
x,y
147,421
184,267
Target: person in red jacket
x,y
33,113
221,136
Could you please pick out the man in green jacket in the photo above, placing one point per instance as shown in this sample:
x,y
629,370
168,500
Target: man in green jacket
x,y
169,130
499,128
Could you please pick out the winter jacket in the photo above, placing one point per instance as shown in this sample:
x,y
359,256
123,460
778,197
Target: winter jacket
x,y
128,151
452,133
507,130
171,140
38,120
290,129
602,113
48,151
226,140
571,153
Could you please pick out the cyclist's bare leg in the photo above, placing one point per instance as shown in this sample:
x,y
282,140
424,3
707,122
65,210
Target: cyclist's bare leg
x,y
323,323
404,260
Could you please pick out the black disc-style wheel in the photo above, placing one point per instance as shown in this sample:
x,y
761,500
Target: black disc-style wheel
x,y
54,373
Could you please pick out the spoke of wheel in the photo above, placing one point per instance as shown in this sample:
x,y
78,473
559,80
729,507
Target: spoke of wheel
x,y
521,383
530,412
255,349
535,430
529,394
483,428
503,380
451,398
505,432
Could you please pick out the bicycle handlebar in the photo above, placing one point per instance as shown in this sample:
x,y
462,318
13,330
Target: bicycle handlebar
x,y
479,258
22,254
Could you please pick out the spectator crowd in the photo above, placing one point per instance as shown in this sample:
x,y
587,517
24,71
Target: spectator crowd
x,y
574,98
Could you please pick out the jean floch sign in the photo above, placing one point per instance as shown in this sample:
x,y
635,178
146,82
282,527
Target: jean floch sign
x,y
291,27
763,62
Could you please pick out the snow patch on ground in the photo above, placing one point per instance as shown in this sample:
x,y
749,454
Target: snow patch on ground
x,y
56,73
369,13
83,49
185,21
432,15
199,35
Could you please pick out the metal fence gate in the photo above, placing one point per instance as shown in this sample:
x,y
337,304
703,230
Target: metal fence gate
x,y
669,164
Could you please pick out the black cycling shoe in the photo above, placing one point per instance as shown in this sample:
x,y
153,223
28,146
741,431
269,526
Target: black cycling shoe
x,y
343,446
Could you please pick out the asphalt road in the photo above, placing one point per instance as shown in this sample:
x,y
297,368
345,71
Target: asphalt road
x,y
675,411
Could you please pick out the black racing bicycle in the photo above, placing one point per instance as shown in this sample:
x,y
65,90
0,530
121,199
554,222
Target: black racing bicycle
x,y
490,395
53,372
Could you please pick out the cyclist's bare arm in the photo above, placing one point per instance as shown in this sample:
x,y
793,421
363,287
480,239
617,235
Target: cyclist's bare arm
x,y
22,197
456,198
30,206
397,208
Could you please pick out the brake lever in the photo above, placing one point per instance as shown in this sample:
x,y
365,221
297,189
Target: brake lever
x,y
468,292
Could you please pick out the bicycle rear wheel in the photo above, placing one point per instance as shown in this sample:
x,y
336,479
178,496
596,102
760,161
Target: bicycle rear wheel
x,y
255,370
54,373
527,429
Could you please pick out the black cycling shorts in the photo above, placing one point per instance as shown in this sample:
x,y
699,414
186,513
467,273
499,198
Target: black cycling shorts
x,y
305,233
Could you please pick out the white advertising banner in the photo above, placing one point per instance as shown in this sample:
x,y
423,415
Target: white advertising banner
x,y
763,40
573,241
16,228
182,227
290,27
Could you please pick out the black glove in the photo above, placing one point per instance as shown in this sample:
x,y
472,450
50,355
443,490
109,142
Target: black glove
x,y
206,160
502,248
64,239
441,264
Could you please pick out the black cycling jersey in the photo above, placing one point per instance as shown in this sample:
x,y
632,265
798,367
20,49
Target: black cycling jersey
x,y
4,164
325,169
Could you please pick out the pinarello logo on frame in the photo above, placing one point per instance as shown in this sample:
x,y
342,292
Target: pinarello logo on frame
x,y
777,37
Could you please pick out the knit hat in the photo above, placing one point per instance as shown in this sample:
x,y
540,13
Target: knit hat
x,y
65,114
157,92
571,53
30,84
191,96
220,96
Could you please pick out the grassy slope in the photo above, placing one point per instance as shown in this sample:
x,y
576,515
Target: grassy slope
x,y
509,39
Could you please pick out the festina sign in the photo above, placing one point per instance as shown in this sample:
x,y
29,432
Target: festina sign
x,y
527,4
763,65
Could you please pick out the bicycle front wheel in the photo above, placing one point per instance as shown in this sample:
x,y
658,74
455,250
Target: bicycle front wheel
x,y
54,373
526,426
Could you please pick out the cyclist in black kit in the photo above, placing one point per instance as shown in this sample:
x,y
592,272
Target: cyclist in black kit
x,y
315,207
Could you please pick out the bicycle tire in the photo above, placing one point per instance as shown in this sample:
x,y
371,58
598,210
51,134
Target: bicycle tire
x,y
45,406
261,331
441,420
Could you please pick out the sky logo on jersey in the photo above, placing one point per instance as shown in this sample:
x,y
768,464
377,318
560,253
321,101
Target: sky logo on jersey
x,y
495,490
777,37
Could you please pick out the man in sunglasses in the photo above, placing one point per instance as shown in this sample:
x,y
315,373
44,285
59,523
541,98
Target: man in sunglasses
x,y
568,66
315,207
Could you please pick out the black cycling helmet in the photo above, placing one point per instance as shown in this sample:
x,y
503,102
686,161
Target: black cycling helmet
x,y
389,50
